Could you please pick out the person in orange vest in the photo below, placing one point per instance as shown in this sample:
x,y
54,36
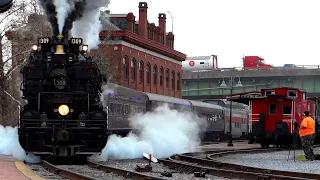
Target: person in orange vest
x,y
307,135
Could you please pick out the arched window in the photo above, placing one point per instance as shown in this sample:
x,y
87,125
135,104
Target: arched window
x,y
167,78
172,80
155,74
148,73
125,68
141,71
178,81
161,76
134,69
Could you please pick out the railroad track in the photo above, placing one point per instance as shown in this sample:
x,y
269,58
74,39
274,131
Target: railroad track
x,y
187,163
77,176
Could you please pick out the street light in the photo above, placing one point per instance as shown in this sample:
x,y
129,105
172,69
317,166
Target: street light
x,y
171,21
224,85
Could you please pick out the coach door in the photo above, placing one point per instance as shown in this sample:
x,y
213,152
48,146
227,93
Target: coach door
x,y
297,111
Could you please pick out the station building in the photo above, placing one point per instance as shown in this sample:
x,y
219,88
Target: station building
x,y
143,52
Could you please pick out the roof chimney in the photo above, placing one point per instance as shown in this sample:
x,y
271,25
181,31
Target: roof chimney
x,y
143,19
162,23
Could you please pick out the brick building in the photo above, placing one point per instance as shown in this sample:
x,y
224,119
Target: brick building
x,y
143,53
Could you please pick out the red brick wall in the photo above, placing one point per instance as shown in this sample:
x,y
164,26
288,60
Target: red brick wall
x,y
118,70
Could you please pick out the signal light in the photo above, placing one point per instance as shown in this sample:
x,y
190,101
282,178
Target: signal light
x,y
85,48
63,110
35,47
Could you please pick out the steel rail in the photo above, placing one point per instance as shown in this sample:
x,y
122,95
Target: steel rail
x,y
191,167
210,162
122,172
65,173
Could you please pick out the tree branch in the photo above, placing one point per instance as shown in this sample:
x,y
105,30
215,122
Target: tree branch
x,y
12,97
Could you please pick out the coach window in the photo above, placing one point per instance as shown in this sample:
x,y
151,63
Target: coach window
x,y
292,93
111,110
272,108
125,68
286,110
154,74
167,78
148,73
141,71
173,80
161,76
133,69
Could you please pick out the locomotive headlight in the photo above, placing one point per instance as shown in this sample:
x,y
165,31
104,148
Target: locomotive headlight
x,y
85,48
63,110
35,47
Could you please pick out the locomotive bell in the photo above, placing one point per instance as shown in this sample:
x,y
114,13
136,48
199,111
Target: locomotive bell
x,y
59,49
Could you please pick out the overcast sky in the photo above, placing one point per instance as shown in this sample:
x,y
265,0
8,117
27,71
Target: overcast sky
x,y
281,31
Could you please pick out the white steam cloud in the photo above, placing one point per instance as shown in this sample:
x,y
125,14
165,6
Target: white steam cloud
x,y
89,26
9,145
163,132
63,8
106,89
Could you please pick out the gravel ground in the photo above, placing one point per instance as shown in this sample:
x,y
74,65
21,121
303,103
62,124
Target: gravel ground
x,y
91,172
157,168
41,171
274,160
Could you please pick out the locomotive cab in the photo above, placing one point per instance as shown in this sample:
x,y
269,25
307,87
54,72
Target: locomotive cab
x,y
63,115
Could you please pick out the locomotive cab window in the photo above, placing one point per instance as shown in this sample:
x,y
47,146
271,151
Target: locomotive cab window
x,y
292,93
286,110
272,108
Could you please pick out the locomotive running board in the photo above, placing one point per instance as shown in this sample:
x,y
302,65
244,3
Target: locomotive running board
x,y
88,153
39,153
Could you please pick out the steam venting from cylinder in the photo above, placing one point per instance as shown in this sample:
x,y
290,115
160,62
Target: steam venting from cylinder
x,y
79,18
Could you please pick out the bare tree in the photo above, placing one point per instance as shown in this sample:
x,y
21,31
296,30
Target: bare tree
x,y
106,61
21,26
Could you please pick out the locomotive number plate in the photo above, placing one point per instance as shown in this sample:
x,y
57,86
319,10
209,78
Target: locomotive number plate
x,y
44,40
76,41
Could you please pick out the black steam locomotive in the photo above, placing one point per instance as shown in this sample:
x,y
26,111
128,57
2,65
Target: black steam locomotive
x,y
63,115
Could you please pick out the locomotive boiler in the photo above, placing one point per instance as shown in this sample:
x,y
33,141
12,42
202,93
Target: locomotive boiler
x,y
63,115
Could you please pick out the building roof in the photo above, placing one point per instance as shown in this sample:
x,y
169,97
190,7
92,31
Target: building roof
x,y
106,23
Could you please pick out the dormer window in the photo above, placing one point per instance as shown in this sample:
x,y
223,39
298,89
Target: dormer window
x,y
292,93
270,92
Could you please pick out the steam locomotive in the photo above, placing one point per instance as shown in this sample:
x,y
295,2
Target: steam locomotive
x,y
63,115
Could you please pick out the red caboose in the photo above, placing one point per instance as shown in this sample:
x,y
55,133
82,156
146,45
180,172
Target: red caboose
x,y
275,112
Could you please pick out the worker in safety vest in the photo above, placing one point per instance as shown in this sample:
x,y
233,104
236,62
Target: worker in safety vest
x,y
307,135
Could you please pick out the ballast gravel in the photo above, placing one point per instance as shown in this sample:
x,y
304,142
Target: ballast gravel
x,y
91,172
274,161
157,169
42,172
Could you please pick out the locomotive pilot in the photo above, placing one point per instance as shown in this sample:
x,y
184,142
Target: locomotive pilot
x,y
307,135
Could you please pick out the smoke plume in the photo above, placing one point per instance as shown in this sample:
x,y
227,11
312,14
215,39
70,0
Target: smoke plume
x,y
78,17
9,145
163,132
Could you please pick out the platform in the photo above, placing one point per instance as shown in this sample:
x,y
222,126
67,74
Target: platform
x,y
10,169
